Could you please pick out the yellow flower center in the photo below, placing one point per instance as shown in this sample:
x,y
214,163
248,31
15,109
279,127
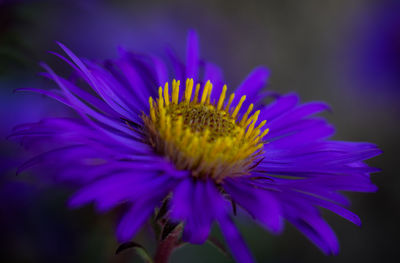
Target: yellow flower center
x,y
204,137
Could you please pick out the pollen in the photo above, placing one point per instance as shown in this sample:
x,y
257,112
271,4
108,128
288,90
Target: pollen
x,y
206,137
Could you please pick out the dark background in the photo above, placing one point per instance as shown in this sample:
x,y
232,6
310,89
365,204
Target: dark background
x,y
344,52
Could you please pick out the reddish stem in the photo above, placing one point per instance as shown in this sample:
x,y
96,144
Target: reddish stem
x,y
166,246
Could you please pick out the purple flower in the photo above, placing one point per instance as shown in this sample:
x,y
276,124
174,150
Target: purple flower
x,y
144,141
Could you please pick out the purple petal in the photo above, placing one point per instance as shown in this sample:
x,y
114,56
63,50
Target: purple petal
x,y
85,71
197,203
281,106
71,64
178,66
160,69
135,218
192,55
314,133
214,73
139,92
318,231
113,189
105,187
314,200
198,225
299,113
54,94
235,242
293,127
53,155
136,191
182,200
252,85
208,205
261,204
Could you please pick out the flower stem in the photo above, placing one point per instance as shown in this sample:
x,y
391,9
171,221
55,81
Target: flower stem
x,y
166,246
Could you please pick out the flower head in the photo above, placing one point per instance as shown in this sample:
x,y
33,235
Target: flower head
x,y
143,140
201,136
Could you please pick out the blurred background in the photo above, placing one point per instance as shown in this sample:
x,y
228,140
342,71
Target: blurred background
x,y
346,53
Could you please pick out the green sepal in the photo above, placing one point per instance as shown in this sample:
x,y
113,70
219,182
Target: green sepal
x,y
218,245
139,249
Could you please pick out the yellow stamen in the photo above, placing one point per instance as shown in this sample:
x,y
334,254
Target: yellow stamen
x,y
205,91
189,89
236,111
255,115
175,92
209,93
166,94
160,98
222,97
196,93
231,97
251,127
244,118
260,125
199,135
265,132
161,112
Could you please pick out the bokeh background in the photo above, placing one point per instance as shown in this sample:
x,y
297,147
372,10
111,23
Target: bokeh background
x,y
346,53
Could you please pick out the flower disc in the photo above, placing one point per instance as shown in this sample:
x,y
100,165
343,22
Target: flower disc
x,y
202,136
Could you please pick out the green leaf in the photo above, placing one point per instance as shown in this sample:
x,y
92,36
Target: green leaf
x,y
139,249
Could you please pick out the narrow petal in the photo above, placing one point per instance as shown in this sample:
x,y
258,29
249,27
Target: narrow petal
x,y
303,137
192,55
208,205
197,203
134,219
318,231
178,66
293,127
135,191
214,73
279,107
160,69
261,204
236,243
317,201
182,200
253,84
298,113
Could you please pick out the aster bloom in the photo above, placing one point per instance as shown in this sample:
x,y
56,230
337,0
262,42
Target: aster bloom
x,y
187,146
